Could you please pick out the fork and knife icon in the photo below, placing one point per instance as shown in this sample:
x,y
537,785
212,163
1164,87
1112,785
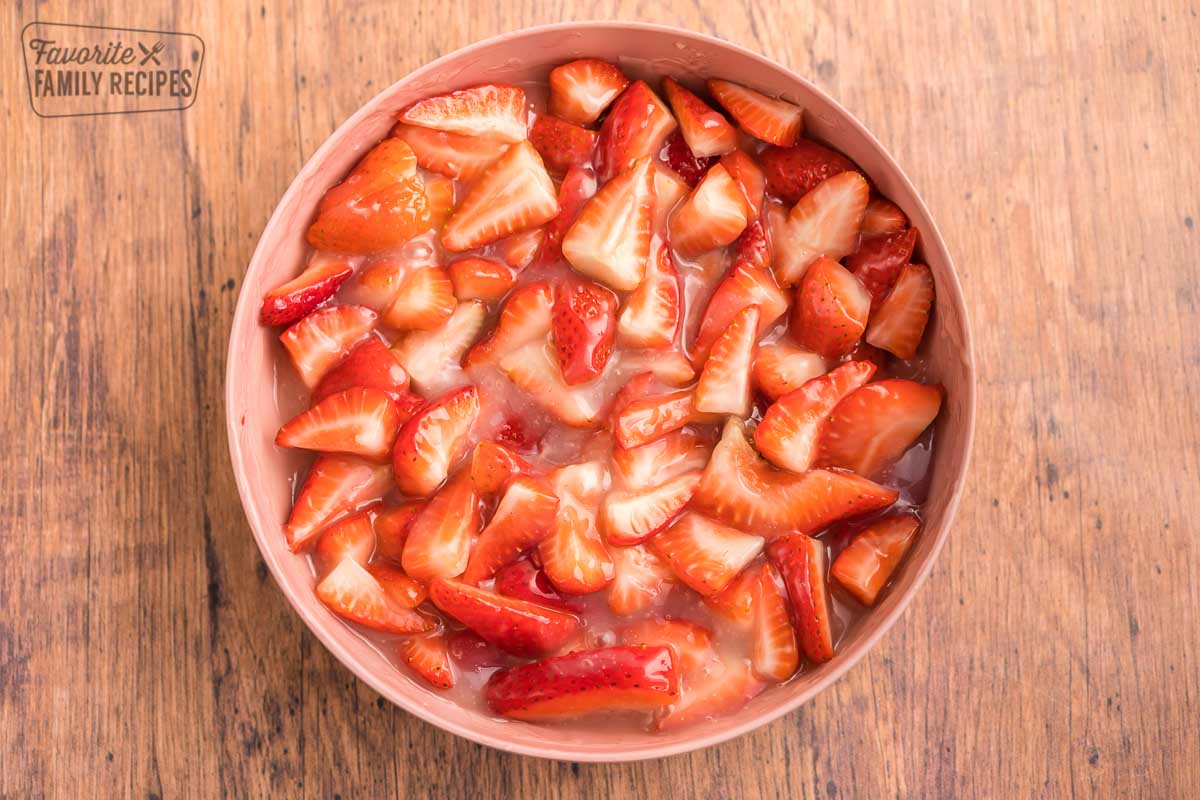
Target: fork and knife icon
x,y
151,53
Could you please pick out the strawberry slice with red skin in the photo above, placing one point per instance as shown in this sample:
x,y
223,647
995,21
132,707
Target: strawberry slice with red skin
x,y
792,172
712,216
724,386
440,536
883,217
376,284
428,657
454,155
632,517
610,240
766,118
584,324
573,556
353,593
318,343
825,222
431,442
370,365
439,193
683,162
788,433
483,279
749,179
335,485
524,581
717,695
879,260
351,537
429,356
706,131
525,517
705,554
873,426
899,323
391,525
618,678
493,465
781,367
752,247
831,309
388,163
285,304
740,489
667,457
561,144
775,655
490,109
867,563
395,582
513,195
526,316
744,286
648,418
520,249
534,369
635,128
359,421
801,560
642,580
580,90
652,313
736,602
516,626
576,189
424,301
692,643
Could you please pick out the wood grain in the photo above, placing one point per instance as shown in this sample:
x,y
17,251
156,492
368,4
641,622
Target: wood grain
x,y
1055,651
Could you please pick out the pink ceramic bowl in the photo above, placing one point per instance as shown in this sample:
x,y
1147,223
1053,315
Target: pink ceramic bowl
x,y
254,413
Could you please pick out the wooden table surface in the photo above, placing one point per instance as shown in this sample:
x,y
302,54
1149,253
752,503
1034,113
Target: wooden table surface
x,y
1055,651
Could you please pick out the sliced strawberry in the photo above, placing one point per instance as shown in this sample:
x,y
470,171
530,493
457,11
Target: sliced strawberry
x,y
431,442
704,554
370,365
736,602
439,192
831,309
669,189
481,279
335,484
878,261
494,465
717,695
899,323
359,421
712,216
692,643
775,657
526,317
321,340
520,249
648,418
453,154
400,588
351,537
523,519
874,425
427,656
561,144
534,369
866,564
584,327
792,172
750,180
671,367
351,592
576,189
825,222
744,286
752,247
291,301
428,355
524,581
385,165
642,579
651,315
376,284
486,110
706,131
883,217
635,128
610,241
391,525
516,626
787,435
424,301
801,561
724,386
683,162
512,195
573,555
740,489
766,118
631,517
667,457
440,537
781,367
582,89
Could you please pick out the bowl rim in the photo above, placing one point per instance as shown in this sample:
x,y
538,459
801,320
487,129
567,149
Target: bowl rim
x,y
247,306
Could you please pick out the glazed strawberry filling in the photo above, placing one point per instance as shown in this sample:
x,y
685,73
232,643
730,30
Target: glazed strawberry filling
x,y
615,393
